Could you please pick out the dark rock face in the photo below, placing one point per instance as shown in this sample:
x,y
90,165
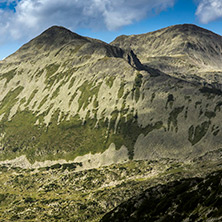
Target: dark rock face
x,y
193,199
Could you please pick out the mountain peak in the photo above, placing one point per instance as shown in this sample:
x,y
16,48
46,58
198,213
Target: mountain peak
x,y
188,29
186,26
56,28
59,31
177,50
55,36
52,38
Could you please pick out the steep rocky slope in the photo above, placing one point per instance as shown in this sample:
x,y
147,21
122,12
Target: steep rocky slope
x,y
150,111
185,51
67,97
193,199
62,84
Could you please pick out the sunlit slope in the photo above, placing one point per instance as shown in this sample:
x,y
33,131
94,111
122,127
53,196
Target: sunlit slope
x,y
185,51
64,96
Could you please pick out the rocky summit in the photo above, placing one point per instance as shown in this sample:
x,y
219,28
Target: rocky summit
x,y
126,131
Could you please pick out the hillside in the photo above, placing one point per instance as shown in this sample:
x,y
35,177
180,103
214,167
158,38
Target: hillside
x,y
91,131
73,90
193,199
185,51
145,189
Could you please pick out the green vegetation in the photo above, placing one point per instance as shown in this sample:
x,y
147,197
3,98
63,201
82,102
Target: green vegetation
x,y
31,96
218,106
153,97
50,77
121,90
138,80
88,90
72,138
193,199
9,100
72,98
43,101
51,69
211,91
39,73
110,80
63,167
72,82
136,87
56,92
195,134
8,76
95,103
170,100
210,114
173,117
59,193
128,131
51,194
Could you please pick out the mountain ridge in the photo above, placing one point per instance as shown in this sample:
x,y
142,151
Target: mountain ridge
x,y
183,51
95,132
86,90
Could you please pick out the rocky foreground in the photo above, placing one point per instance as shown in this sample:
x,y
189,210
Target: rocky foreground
x,y
166,189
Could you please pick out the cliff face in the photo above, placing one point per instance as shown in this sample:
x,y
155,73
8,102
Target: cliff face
x,y
68,97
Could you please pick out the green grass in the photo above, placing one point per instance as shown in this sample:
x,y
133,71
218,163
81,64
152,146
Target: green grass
x,y
51,77
8,76
195,134
88,90
59,193
136,87
43,101
210,114
218,106
72,98
121,90
138,80
31,96
128,131
153,97
95,103
56,92
170,100
9,100
39,73
173,117
68,139
71,82
51,69
110,80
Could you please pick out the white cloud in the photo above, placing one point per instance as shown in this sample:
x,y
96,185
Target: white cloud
x,y
209,10
32,16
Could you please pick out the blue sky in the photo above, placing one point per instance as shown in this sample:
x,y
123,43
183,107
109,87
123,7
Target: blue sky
x,y
22,20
